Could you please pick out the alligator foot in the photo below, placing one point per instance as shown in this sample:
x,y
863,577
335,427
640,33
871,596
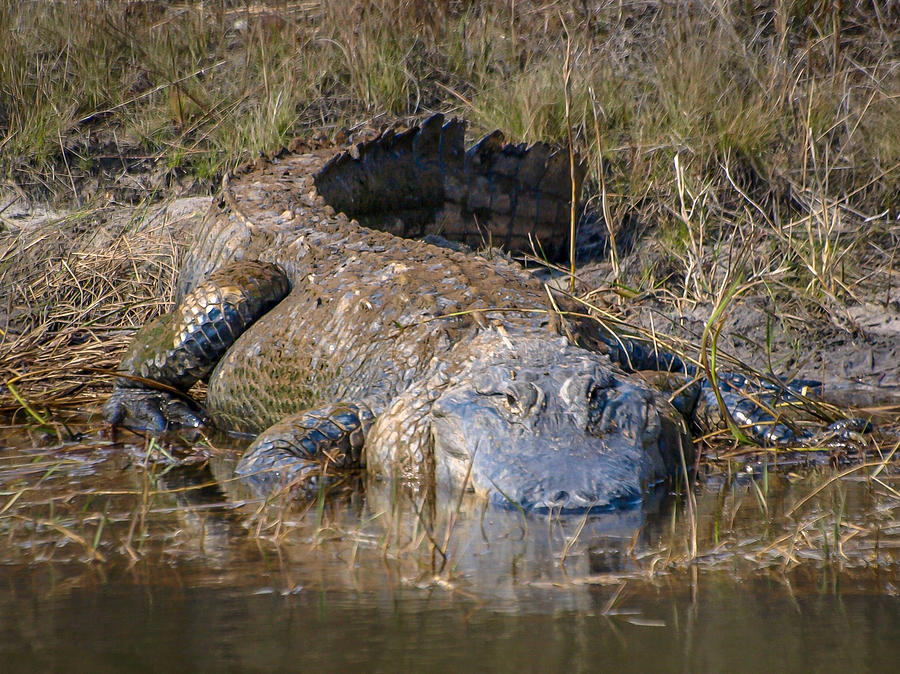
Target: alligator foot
x,y
183,346
152,410
307,445
754,412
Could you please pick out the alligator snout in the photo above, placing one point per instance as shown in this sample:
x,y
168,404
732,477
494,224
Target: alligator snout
x,y
570,437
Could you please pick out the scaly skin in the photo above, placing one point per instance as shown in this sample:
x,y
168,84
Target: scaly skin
x,y
411,359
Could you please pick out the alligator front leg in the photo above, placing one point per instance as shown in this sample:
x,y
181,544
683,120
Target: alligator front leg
x,y
181,348
308,445
754,411
753,407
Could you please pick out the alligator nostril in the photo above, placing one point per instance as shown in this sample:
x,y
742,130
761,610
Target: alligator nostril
x,y
586,497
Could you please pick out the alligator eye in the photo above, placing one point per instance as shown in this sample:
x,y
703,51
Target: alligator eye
x,y
522,397
597,399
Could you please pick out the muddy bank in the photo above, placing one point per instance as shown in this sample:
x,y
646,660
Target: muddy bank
x,y
854,347
850,342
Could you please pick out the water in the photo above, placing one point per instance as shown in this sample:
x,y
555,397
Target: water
x,y
119,626
111,563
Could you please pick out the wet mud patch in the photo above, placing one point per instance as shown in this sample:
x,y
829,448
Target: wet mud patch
x,y
853,348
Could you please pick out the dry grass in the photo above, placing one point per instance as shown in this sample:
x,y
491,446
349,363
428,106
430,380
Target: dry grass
x,y
201,85
73,292
749,143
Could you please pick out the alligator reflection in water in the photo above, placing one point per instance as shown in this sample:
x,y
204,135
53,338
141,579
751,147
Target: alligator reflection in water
x,y
500,553
105,504
75,507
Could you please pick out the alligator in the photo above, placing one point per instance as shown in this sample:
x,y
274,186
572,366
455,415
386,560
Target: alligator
x,y
340,345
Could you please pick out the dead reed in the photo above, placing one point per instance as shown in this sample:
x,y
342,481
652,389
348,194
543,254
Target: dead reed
x,y
73,292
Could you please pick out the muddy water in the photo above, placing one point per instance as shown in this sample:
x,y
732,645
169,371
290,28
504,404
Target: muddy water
x,y
115,558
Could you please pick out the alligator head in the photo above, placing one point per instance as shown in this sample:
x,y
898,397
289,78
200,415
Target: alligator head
x,y
540,423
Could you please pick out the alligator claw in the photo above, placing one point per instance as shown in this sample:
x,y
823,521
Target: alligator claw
x,y
152,410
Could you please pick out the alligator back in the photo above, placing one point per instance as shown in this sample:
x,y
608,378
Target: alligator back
x,y
412,183
369,313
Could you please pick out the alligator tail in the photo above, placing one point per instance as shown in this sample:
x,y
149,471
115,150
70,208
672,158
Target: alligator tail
x,y
751,404
423,181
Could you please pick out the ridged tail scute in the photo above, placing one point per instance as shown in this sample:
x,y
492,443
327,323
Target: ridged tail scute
x,y
398,174
750,403
755,409
423,181
183,347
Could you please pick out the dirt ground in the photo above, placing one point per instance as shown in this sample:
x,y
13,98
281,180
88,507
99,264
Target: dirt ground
x,y
853,348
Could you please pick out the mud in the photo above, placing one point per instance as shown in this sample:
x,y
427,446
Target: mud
x,y
853,348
